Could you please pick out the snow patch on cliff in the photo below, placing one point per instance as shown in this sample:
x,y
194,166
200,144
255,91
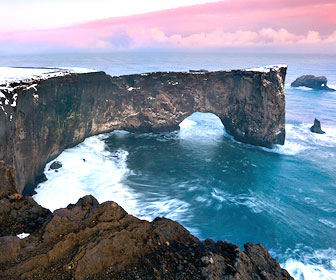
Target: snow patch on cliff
x,y
16,74
23,235
266,69
17,79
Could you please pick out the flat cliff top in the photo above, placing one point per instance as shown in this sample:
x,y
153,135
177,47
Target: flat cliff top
x,y
14,79
16,74
266,69
9,75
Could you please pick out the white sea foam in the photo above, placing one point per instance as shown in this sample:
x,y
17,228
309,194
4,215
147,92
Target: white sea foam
x,y
208,128
87,169
304,88
254,201
327,223
90,169
301,271
313,267
299,138
171,208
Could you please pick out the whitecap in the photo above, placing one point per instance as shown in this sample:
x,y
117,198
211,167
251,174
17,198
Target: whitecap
x,y
327,223
321,264
255,202
301,271
87,169
304,88
332,86
299,138
187,123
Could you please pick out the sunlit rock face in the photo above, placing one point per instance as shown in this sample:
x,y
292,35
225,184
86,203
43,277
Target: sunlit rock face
x,y
45,116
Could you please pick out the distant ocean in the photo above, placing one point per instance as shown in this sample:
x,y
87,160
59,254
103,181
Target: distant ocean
x,y
283,198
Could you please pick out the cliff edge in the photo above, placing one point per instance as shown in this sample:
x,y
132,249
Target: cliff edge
x,y
39,118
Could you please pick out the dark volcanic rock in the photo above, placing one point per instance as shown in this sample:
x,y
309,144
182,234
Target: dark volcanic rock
x,y
199,71
312,81
17,213
89,240
316,128
53,114
55,165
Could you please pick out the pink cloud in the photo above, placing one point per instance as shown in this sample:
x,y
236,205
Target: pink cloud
x,y
222,24
218,38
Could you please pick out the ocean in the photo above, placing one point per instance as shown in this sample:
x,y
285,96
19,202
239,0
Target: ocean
x,y
283,198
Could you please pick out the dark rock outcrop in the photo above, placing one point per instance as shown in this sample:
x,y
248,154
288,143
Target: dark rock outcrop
x,y
56,165
18,214
88,240
316,128
56,113
311,81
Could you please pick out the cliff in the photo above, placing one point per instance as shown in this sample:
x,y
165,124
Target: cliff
x,y
89,240
40,118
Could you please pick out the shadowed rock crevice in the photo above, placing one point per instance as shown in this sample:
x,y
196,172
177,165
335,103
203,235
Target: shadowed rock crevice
x,y
56,113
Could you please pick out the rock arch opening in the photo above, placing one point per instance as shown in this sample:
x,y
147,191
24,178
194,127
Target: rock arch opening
x,y
200,126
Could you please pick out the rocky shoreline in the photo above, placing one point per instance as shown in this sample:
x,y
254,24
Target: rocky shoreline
x,y
88,240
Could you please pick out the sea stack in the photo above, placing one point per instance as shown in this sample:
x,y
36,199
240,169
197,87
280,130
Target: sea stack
x,y
311,81
316,128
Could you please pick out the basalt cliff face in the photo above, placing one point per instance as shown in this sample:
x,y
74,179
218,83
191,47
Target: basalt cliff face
x,y
89,240
39,119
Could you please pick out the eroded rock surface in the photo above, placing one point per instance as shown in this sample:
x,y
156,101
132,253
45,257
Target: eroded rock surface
x,y
311,81
18,214
89,240
39,119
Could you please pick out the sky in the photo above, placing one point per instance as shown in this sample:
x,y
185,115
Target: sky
x,y
102,25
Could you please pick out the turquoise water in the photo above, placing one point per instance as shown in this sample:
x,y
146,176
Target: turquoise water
x,y
284,198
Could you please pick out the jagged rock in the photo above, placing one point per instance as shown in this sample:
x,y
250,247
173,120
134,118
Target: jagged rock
x,y
89,240
17,213
316,128
313,82
55,165
60,112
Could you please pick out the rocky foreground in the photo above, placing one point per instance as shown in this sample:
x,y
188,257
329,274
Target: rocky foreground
x,y
89,240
